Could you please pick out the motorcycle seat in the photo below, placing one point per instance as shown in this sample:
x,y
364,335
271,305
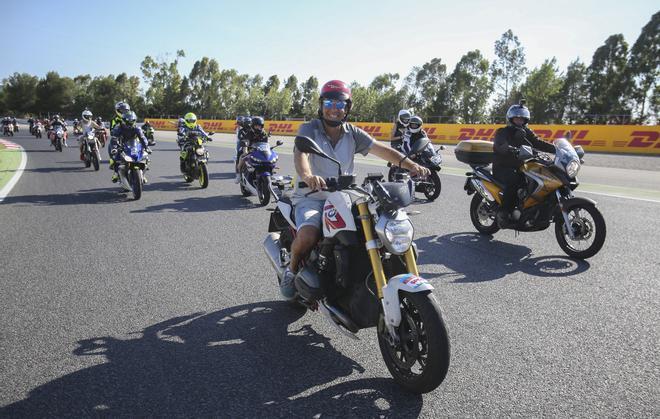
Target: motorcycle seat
x,y
488,175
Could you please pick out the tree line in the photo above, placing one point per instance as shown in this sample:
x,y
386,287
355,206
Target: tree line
x,y
619,86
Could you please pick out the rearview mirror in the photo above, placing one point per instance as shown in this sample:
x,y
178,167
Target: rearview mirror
x,y
279,142
307,145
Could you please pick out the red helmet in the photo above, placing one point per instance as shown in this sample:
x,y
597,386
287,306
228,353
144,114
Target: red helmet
x,y
336,90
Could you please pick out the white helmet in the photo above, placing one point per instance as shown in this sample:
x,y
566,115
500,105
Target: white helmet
x,y
415,124
404,117
87,115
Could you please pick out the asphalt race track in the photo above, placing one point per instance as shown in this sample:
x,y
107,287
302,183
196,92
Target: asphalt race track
x,y
167,306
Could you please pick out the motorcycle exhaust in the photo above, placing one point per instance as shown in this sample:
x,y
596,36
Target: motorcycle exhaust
x,y
272,248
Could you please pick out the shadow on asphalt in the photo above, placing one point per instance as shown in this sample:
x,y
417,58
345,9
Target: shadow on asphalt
x,y
199,204
477,258
237,362
90,196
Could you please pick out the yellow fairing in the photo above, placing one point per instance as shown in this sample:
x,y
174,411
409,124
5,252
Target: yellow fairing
x,y
494,190
550,182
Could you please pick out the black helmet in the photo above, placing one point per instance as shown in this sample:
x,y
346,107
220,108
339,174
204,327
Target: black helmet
x,y
257,120
415,124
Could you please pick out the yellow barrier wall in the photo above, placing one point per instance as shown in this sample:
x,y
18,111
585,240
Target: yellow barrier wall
x,y
638,139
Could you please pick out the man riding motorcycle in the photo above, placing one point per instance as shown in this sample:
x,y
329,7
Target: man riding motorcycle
x,y
52,125
341,141
507,142
190,125
86,124
147,129
254,133
121,108
125,130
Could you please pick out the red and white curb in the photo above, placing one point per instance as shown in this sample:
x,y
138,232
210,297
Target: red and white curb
x,y
19,171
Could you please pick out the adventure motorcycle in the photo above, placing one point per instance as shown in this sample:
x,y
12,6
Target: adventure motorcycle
x,y
258,168
363,273
429,157
194,159
91,154
133,161
546,197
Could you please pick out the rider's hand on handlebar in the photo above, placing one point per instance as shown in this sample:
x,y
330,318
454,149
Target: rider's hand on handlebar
x,y
419,171
315,183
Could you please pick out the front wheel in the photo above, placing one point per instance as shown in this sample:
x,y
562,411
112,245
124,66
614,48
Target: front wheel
x,y
263,189
589,232
419,359
96,159
434,187
482,214
203,176
136,183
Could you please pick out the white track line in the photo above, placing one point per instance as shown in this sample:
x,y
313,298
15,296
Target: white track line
x,y
19,171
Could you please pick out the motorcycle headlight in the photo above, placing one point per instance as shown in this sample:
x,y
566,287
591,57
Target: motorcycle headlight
x,y
573,168
199,151
396,233
127,158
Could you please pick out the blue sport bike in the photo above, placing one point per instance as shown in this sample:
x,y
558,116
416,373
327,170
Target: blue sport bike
x,y
258,170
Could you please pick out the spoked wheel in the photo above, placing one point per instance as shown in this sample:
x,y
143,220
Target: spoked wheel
x,y
433,187
482,214
88,159
419,360
203,176
589,232
263,190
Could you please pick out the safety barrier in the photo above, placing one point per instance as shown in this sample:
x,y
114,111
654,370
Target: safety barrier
x,y
634,139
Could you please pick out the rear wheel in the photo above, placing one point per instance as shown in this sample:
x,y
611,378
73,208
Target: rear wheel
x,y
434,187
419,358
589,232
203,175
482,214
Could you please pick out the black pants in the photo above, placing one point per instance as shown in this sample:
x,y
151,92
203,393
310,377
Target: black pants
x,y
512,180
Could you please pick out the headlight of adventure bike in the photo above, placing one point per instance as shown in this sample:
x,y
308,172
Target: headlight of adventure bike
x,y
573,168
199,151
396,233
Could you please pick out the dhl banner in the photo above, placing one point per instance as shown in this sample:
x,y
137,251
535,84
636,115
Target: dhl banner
x,y
637,139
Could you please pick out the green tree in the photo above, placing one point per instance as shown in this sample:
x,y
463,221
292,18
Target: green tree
x,y
508,68
541,90
310,97
364,103
20,92
164,94
296,96
204,85
54,94
471,87
432,90
573,97
273,83
605,76
643,70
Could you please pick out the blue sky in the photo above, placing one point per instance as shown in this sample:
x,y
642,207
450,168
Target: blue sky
x,y
348,40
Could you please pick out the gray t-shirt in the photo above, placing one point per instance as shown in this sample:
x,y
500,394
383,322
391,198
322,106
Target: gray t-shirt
x,y
354,140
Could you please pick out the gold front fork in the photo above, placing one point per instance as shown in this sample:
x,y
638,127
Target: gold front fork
x,y
372,247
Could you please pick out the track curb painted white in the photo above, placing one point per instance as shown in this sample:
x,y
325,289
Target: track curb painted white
x,y
19,171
